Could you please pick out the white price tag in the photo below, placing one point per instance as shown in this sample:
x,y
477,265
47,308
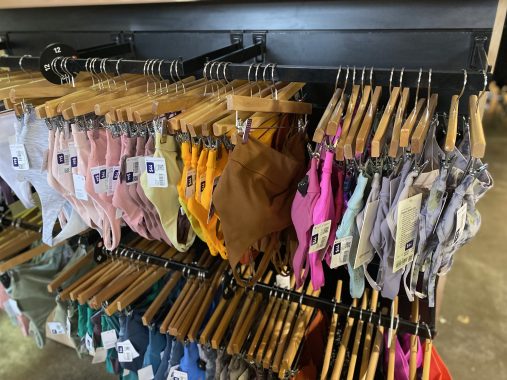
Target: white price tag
x,y
109,339
63,161
73,155
156,172
113,174
19,157
406,232
118,213
100,355
56,328
126,351
365,252
99,177
283,281
132,170
190,183
68,327
146,373
461,217
341,251
80,186
320,234
176,374
89,344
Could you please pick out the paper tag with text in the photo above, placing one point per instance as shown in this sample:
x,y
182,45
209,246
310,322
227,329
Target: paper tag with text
x,y
365,250
406,231
156,172
99,178
63,161
56,328
146,373
19,157
283,281
89,344
341,251
100,355
73,155
126,351
132,170
461,218
320,235
109,339
179,375
79,186
190,183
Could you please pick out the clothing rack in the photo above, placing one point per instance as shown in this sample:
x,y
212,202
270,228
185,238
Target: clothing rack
x,y
273,290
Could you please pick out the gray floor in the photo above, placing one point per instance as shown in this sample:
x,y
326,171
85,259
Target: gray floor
x,y
473,320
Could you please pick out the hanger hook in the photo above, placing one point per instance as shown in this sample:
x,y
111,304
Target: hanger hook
x,y
227,82
428,329
337,77
401,78
20,63
429,88
484,88
346,80
362,79
354,77
274,89
418,84
391,80
178,75
465,77
256,77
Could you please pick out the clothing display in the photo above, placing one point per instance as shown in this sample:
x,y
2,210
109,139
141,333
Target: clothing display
x,y
206,219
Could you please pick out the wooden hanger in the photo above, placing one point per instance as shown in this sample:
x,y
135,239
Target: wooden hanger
x,y
320,131
331,335
24,257
255,104
477,139
340,357
392,349
398,121
414,317
419,136
357,339
346,122
356,122
213,322
380,134
428,348
368,337
161,298
376,349
364,132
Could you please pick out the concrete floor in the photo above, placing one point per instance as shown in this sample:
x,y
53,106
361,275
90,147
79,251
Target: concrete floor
x,y
473,319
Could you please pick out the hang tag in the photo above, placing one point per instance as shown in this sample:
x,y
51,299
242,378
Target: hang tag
x,y
406,232
79,186
63,161
365,252
126,351
56,328
19,157
190,183
118,213
156,172
72,155
113,175
179,375
341,251
461,217
89,344
171,372
283,281
100,355
211,206
126,372
109,339
132,170
99,177
202,184
146,373
320,235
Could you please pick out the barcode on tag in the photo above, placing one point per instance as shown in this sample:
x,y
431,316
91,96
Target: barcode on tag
x,y
19,157
126,351
73,155
190,183
132,170
320,235
99,179
156,172
79,186
341,251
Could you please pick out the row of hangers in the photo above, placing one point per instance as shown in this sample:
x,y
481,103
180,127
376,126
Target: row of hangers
x,y
359,110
